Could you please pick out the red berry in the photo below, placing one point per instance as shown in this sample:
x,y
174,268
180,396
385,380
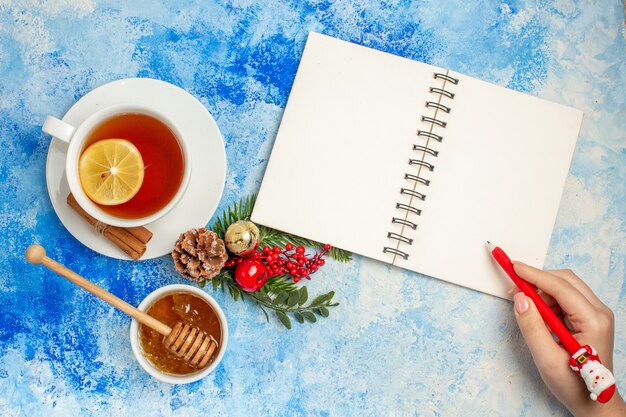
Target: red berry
x,y
289,265
300,249
327,246
276,249
251,275
300,262
303,272
289,246
266,249
296,279
321,262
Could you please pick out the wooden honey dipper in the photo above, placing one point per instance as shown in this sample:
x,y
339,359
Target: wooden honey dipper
x,y
187,342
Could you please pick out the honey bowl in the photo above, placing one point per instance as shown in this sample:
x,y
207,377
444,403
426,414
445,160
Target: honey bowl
x,y
169,304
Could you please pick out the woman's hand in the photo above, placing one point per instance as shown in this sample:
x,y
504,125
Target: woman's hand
x,y
589,320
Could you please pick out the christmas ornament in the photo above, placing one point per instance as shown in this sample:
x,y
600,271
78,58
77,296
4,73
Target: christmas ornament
x,y
599,380
199,254
265,277
242,238
251,274
242,209
288,261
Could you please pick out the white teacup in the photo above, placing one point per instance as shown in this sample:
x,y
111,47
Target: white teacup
x,y
76,136
136,343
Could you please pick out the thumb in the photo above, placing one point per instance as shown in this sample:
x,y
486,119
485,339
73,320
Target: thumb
x,y
534,330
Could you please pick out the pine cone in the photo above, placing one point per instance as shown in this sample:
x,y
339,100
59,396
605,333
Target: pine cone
x,y
199,254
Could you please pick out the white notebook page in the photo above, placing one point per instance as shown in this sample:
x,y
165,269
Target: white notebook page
x,y
499,175
343,147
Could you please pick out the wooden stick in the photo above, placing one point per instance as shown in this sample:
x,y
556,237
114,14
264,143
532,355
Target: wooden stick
x,y
36,255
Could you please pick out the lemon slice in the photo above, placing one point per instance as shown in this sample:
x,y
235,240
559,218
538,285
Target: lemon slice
x,y
111,171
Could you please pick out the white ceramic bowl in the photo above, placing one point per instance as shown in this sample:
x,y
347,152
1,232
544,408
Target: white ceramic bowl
x,y
136,344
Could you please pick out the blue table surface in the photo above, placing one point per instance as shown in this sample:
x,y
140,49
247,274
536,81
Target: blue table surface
x,y
399,343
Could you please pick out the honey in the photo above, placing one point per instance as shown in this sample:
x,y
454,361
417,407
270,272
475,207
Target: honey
x,y
170,309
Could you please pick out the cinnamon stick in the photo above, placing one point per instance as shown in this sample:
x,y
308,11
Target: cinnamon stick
x,y
141,233
132,243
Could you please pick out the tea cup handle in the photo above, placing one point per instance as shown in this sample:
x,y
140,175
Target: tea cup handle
x,y
58,129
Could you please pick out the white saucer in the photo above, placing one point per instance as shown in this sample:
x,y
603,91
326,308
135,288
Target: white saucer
x,y
208,163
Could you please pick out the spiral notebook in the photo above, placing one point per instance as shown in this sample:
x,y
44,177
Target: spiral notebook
x,y
415,165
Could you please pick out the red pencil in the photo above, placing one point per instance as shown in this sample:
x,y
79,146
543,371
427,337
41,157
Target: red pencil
x,y
553,322
584,359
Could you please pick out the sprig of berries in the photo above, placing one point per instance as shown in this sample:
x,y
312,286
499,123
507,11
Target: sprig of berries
x,y
291,260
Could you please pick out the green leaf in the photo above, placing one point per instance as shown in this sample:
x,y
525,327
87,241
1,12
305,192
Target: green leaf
x,y
293,299
281,298
318,300
235,293
303,295
322,311
330,296
284,319
202,283
299,318
216,283
279,283
309,316
263,297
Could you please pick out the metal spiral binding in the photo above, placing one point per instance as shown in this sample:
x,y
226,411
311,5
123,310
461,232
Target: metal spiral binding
x,y
396,252
446,77
417,178
425,150
442,92
434,121
429,135
413,193
409,208
401,238
404,222
432,104
425,164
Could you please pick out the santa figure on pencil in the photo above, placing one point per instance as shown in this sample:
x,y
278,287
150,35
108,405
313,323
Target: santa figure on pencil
x,y
599,380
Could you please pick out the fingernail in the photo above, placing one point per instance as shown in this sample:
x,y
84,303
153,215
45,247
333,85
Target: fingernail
x,y
521,303
518,264
513,290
